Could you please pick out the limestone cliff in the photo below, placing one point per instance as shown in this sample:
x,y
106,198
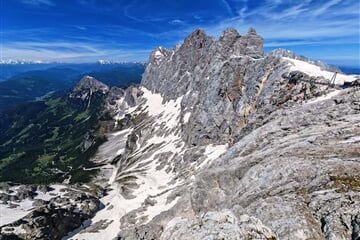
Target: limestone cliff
x,y
265,136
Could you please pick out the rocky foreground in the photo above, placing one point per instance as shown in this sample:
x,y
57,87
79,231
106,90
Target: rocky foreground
x,y
218,142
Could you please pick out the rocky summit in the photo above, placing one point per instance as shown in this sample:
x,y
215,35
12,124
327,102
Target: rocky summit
x,y
219,141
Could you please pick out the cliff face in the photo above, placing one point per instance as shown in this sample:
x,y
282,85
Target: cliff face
x,y
223,142
267,138
219,81
271,143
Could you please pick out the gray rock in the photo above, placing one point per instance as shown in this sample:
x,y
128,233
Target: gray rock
x,y
217,225
86,87
356,228
292,164
55,218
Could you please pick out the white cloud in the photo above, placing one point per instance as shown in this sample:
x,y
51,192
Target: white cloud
x,y
301,23
70,52
298,21
227,6
177,21
82,28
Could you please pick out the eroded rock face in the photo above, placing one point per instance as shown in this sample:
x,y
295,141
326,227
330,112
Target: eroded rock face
x,y
218,79
52,218
298,172
217,225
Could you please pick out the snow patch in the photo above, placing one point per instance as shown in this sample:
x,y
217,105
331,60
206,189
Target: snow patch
x,y
152,180
212,152
316,71
113,147
169,111
15,210
9,214
355,139
158,54
111,215
324,97
187,117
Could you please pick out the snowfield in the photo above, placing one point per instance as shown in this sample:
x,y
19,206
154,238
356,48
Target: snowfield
x,y
315,71
14,210
154,181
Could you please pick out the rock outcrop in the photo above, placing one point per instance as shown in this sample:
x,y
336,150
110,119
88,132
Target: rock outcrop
x,y
53,213
87,86
217,225
218,79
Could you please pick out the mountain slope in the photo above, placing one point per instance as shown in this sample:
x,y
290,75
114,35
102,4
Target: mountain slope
x,y
222,142
225,135
50,141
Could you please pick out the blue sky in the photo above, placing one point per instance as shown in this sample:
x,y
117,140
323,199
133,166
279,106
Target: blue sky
x,y
119,30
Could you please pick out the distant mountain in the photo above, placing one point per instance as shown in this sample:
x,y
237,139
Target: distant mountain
x,y
35,85
13,61
44,141
105,62
55,81
120,75
10,70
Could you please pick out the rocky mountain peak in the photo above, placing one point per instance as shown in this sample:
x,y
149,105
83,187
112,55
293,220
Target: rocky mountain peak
x,y
172,72
210,74
250,44
229,35
87,86
158,55
89,82
251,31
195,39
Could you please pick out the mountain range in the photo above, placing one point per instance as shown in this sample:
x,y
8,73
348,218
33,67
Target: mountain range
x,y
54,80
219,141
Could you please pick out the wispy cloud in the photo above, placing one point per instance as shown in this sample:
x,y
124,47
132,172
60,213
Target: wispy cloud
x,y
82,28
228,7
291,12
322,9
176,22
71,52
38,2
127,12
303,23
289,43
135,27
